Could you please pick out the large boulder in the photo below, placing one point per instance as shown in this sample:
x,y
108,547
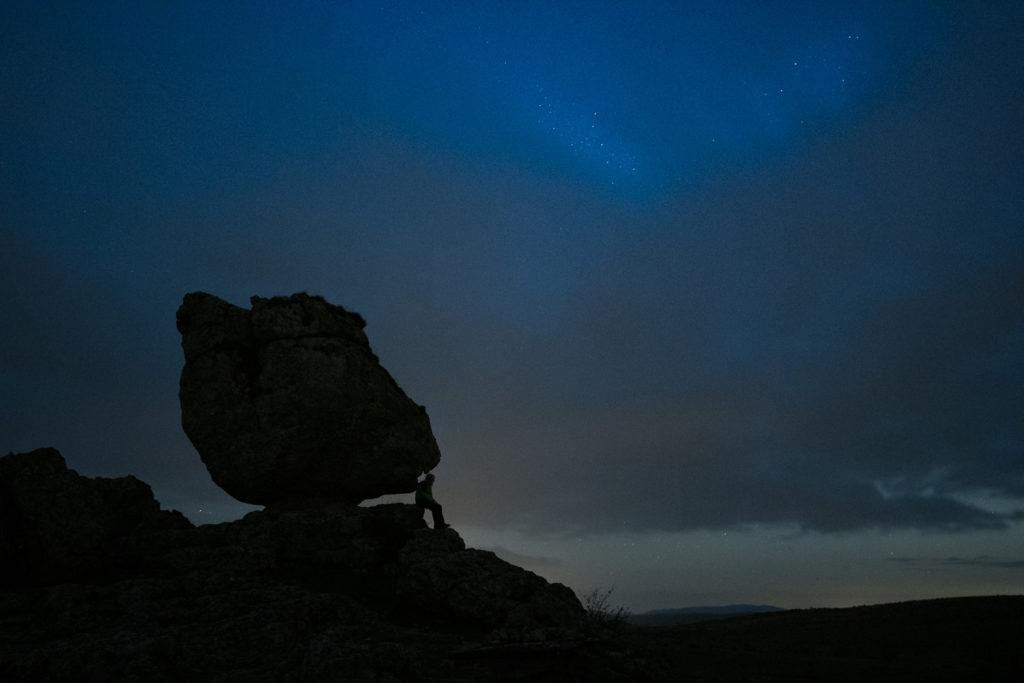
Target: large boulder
x,y
56,525
287,404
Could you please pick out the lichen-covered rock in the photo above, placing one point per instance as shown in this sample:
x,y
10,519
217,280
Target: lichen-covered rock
x,y
287,403
56,525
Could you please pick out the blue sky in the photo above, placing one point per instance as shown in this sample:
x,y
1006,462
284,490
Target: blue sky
x,y
710,302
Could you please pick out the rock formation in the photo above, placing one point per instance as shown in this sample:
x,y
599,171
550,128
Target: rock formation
x,y
110,587
56,525
287,403
289,408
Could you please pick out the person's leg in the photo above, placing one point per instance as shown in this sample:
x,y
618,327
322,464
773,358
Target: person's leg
x,y
435,510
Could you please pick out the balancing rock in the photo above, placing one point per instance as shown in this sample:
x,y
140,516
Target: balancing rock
x,y
287,404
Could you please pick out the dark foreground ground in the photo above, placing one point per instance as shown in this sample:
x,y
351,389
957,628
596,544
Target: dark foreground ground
x,y
959,639
963,639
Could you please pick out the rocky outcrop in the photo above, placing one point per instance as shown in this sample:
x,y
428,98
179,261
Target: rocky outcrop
x,y
121,590
441,577
286,403
56,525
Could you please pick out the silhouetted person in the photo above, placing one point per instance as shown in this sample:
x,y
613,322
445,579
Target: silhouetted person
x,y
425,499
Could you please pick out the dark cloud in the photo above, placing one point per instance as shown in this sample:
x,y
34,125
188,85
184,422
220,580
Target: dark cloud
x,y
682,394
980,561
983,561
767,391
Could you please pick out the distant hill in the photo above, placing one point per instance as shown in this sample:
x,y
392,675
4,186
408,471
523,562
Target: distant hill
x,y
693,615
947,639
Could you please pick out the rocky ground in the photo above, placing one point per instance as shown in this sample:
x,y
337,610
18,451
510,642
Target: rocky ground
x,y
243,612
98,583
220,628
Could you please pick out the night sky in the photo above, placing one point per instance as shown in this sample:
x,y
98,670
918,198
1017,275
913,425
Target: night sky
x,y
708,302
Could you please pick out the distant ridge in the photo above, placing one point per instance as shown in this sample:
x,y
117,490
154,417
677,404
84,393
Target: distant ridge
x,y
690,615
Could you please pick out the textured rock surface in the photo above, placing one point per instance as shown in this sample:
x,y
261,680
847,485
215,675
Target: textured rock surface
x,y
287,403
58,525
